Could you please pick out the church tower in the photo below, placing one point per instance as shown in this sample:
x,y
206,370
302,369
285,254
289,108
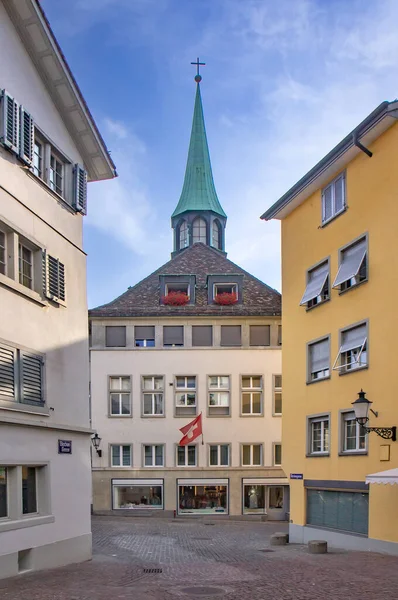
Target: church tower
x,y
199,216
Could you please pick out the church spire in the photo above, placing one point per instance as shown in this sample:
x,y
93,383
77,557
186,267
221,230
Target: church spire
x,y
198,204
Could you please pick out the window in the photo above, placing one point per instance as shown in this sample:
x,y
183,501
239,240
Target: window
x,y
252,393
219,455
115,336
277,404
144,336
348,511
253,497
120,456
252,455
3,253
353,268
277,455
173,287
225,288
353,353
38,159
137,494
21,376
184,235
25,266
152,392
56,175
173,335
185,395
318,360
260,335
317,290
333,198
279,335
199,231
318,435
154,455
120,396
275,498
231,335
186,456
215,235
3,493
202,335
202,496
353,435
219,395
29,491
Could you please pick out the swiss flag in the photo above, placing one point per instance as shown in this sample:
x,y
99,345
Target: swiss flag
x,y
191,431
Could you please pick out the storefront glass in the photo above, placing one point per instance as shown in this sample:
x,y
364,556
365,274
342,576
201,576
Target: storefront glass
x,y
203,499
275,497
137,496
254,498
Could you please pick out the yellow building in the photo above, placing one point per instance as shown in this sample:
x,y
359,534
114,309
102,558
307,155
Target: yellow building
x,y
340,286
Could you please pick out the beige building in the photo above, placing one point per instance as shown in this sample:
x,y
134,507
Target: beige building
x,y
49,146
198,336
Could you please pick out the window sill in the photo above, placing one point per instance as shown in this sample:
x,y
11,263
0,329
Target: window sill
x,y
354,453
123,467
9,525
318,380
318,455
119,416
251,415
25,408
251,466
309,308
326,223
276,414
153,416
353,287
21,289
350,371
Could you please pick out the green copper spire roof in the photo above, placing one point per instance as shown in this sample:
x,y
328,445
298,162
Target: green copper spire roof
x,y
198,192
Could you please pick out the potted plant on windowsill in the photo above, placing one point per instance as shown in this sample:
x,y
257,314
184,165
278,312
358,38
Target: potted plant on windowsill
x,y
175,298
226,299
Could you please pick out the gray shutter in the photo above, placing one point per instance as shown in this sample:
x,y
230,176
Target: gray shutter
x,y
231,335
173,335
31,378
9,121
115,336
144,332
259,335
327,203
53,278
202,335
80,189
26,136
7,373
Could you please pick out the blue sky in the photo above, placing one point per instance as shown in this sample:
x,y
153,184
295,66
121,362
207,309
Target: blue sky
x,y
284,82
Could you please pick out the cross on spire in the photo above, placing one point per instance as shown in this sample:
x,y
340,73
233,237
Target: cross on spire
x,y
198,64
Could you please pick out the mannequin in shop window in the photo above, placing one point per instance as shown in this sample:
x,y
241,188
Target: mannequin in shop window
x,y
253,500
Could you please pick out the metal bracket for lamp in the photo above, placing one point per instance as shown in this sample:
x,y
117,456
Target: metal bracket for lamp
x,y
361,409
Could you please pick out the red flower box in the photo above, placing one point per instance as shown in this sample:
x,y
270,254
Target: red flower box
x,y
175,299
226,299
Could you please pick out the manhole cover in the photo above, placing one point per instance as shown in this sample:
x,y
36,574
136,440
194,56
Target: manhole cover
x,y
203,591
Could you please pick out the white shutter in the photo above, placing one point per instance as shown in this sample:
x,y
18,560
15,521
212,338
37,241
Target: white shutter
x,y
26,136
7,373
327,203
80,189
9,122
31,378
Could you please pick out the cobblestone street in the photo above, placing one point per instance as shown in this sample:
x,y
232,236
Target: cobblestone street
x,y
153,559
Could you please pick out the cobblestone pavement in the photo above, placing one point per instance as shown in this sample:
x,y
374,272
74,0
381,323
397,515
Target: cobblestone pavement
x,y
156,559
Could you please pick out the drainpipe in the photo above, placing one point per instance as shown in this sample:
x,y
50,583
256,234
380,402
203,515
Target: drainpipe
x,y
358,144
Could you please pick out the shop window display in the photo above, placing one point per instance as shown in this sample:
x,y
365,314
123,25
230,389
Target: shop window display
x,y
275,497
138,496
203,499
254,498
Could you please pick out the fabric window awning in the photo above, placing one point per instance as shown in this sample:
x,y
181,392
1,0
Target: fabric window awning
x,y
351,261
353,338
316,282
385,477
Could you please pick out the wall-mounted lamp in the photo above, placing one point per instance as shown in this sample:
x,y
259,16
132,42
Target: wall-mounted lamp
x,y
361,407
96,441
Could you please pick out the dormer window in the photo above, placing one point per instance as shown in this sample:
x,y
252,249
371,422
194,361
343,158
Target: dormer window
x,y
181,288
225,289
177,290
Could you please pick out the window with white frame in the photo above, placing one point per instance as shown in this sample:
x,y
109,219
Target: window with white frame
x,y
186,456
252,455
153,455
38,159
333,198
219,455
3,252
353,265
183,235
185,395
120,455
317,290
277,455
318,360
152,395
175,287
21,376
24,494
25,261
199,231
352,353
219,395
353,436
216,235
225,288
318,435
3,492
144,336
120,396
252,395
277,395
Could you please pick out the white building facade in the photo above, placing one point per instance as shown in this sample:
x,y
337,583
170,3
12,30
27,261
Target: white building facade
x,y
49,147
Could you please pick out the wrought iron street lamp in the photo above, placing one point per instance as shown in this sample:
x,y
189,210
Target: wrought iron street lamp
x,y
361,407
96,441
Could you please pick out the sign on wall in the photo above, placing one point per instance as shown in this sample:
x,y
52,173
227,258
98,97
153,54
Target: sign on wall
x,y
296,476
64,447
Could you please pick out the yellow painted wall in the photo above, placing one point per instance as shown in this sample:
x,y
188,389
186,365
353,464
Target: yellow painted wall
x,y
372,199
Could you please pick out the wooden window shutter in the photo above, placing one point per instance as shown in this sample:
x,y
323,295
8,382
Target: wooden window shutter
x,y
26,136
31,378
7,373
9,122
80,189
259,335
53,278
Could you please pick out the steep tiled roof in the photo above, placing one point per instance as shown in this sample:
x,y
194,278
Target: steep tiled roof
x,y
143,299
